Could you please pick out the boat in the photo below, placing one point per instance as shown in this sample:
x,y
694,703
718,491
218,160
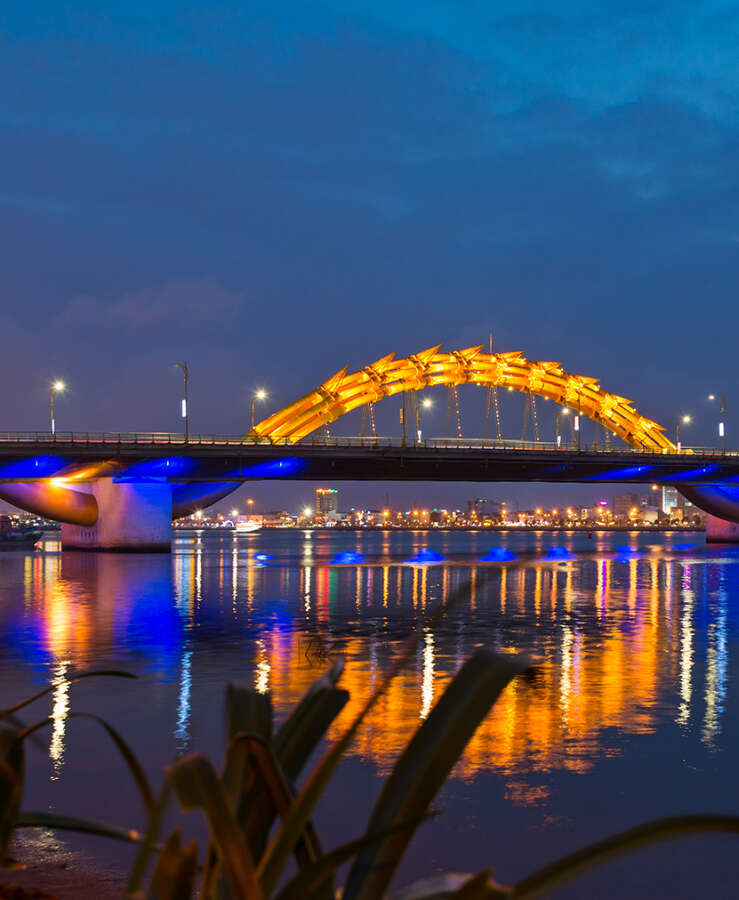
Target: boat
x,y
245,525
12,538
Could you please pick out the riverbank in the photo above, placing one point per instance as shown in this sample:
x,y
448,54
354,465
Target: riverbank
x,y
523,529
55,870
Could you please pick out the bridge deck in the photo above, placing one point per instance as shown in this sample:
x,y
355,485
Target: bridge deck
x,y
30,456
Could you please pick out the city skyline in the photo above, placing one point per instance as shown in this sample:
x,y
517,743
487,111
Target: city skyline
x,y
504,184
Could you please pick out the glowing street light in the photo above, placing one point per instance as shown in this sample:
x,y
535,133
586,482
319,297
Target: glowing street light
x,y
258,395
683,420
426,403
58,387
565,411
722,421
185,411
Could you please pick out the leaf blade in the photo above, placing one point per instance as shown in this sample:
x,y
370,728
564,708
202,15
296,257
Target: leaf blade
x,y
425,764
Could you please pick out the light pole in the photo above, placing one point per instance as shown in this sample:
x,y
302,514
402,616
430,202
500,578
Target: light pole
x,y
684,420
258,395
564,411
426,403
722,422
185,411
58,387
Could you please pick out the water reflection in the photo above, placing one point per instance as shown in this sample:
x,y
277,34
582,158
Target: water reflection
x,y
628,638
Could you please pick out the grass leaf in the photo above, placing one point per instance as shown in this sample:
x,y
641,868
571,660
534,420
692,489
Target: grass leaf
x,y
129,757
71,679
425,764
278,851
175,872
546,879
33,819
197,787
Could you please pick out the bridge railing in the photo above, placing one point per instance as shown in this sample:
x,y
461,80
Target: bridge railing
x,y
163,438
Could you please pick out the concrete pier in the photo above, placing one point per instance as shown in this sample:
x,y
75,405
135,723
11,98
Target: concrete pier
x,y
719,531
132,517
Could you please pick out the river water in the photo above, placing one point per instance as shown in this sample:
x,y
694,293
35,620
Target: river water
x,y
634,714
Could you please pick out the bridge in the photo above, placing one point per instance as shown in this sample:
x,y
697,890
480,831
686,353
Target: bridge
x,y
121,491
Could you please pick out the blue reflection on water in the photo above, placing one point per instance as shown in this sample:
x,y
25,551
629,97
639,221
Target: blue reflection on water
x,y
425,556
558,553
348,558
498,554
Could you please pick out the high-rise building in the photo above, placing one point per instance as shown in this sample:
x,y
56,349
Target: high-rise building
x,y
483,508
623,504
652,499
327,502
669,500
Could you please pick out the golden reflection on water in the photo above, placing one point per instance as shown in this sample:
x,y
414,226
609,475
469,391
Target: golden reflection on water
x,y
616,653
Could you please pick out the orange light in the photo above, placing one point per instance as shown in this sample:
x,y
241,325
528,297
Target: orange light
x,y
431,367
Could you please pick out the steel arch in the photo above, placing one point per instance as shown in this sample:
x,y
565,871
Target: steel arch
x,y
345,391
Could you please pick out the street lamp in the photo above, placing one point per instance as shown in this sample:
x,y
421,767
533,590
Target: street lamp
x,y
258,395
58,387
426,403
684,420
565,411
185,411
722,422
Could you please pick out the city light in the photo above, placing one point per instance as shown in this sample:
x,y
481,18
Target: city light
x,y
185,412
427,402
722,420
260,395
58,387
683,420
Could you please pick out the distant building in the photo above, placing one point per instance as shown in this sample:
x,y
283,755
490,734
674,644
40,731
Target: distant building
x,y
670,500
327,502
651,500
483,508
623,504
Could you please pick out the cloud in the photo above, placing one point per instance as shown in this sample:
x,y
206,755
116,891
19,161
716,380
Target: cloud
x,y
177,304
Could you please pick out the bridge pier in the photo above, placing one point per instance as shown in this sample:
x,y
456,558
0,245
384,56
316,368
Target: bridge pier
x,y
132,516
719,531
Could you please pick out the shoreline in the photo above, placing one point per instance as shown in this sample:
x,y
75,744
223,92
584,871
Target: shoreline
x,y
648,529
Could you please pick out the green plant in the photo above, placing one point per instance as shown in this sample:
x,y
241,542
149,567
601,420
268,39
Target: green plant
x,y
258,821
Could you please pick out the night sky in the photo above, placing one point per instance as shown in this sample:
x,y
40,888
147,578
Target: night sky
x,y
272,191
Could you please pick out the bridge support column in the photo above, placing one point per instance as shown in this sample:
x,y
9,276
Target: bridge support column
x,y
719,531
134,517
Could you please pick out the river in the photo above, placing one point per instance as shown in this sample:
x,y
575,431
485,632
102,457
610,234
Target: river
x,y
634,714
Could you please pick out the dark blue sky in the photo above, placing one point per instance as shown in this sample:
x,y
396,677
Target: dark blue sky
x,y
272,191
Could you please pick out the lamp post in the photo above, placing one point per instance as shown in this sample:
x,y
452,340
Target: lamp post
x,y
426,403
258,395
683,420
58,387
722,421
185,411
564,411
